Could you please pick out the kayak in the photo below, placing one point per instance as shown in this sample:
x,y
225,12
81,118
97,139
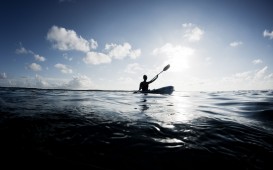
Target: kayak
x,y
162,90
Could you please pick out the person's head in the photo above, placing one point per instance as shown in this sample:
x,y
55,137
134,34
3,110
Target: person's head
x,y
145,77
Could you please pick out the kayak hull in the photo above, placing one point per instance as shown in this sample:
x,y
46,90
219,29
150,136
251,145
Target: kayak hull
x,y
162,90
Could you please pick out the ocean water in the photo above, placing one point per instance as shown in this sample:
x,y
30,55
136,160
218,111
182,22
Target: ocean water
x,y
46,129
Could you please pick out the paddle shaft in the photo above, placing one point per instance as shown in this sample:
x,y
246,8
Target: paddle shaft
x,y
165,68
158,74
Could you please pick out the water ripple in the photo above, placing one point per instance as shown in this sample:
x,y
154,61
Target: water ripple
x,y
94,127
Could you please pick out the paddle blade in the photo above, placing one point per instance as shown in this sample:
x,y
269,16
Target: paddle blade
x,y
167,67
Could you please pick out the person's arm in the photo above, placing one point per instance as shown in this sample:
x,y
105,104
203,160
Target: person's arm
x,y
153,79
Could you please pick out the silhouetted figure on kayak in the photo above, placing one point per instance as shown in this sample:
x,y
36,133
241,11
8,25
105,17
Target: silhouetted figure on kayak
x,y
144,86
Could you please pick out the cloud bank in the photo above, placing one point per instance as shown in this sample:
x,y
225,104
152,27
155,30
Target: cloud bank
x,y
249,80
79,82
67,40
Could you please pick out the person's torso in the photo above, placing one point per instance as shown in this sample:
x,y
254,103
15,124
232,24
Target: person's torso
x,y
144,86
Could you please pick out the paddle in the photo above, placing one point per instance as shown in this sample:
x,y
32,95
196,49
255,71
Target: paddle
x,y
164,69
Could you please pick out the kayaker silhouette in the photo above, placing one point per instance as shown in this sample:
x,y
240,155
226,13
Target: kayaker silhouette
x,y
144,86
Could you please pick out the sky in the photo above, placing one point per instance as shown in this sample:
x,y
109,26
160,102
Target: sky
x,y
211,45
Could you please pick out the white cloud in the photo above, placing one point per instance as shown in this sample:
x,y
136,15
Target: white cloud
x,y
21,50
28,82
187,25
39,58
260,74
40,82
268,34
3,75
257,61
122,51
65,40
80,82
244,75
93,44
135,53
63,68
96,58
113,51
67,58
192,32
249,80
133,68
35,67
177,56
236,43
172,50
126,83
268,77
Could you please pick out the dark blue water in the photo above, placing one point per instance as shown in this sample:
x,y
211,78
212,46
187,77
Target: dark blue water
x,y
46,129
